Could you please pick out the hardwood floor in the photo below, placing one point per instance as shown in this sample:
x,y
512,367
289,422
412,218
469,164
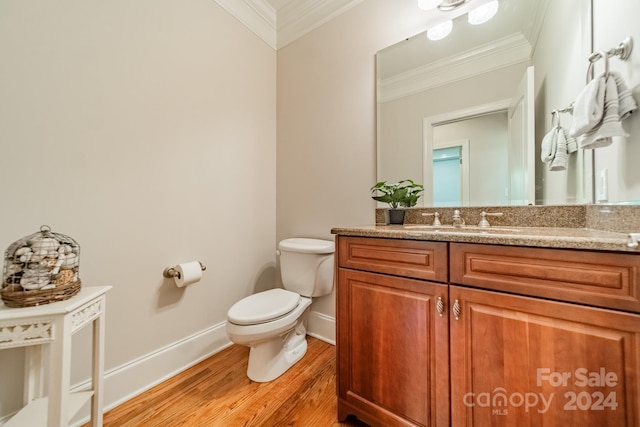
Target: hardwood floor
x,y
217,392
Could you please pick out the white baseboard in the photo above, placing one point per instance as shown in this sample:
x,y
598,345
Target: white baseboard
x,y
129,380
322,327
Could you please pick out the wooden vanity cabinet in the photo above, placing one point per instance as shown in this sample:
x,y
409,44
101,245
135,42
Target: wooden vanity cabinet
x,y
523,337
523,361
392,343
528,362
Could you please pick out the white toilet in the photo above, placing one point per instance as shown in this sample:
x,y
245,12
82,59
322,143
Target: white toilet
x,y
272,322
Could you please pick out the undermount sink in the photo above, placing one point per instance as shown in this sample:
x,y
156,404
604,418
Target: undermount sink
x,y
465,229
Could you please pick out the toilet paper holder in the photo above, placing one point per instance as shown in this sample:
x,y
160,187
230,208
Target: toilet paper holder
x,y
171,272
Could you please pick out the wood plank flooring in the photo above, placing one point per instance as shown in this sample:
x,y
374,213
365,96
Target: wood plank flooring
x,y
217,392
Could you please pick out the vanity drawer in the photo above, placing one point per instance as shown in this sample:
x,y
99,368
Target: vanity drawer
x,y
408,258
603,279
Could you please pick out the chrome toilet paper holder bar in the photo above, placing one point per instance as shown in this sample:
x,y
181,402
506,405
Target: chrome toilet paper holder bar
x,y
171,272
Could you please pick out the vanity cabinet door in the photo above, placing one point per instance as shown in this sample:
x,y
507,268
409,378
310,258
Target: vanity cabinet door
x,y
522,361
392,348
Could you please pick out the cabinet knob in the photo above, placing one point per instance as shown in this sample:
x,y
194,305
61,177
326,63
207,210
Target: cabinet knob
x,y
457,310
440,306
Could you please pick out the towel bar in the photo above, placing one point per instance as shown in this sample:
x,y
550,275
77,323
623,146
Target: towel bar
x,y
555,114
623,51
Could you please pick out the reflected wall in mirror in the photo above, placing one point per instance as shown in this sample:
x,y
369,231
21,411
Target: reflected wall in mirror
x,y
424,84
613,21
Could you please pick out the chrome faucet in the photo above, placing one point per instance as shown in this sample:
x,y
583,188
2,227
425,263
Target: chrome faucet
x,y
436,218
483,218
457,219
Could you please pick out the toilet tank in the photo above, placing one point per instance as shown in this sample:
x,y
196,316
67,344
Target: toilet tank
x,y
306,266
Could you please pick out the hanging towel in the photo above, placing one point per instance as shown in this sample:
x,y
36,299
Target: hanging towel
x,y
610,125
549,143
572,144
589,107
557,144
626,102
561,158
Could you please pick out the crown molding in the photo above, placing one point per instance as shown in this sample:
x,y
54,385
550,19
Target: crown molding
x,y
301,17
291,22
538,19
257,15
501,53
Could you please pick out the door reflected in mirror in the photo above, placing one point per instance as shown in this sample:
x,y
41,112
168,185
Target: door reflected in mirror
x,y
451,173
481,142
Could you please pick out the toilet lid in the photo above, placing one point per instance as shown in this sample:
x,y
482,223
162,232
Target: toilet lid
x,y
263,306
307,246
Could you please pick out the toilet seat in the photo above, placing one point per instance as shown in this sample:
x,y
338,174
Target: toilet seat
x,y
263,307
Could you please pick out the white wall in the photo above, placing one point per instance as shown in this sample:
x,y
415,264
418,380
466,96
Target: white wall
x,y
612,22
615,20
568,39
146,131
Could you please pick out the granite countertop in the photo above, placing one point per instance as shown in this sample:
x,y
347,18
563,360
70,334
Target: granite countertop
x,y
546,237
590,227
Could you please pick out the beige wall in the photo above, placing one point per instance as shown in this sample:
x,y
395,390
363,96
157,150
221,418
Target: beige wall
x,y
326,121
146,131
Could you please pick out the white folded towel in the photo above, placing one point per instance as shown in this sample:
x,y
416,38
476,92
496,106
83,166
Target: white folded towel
x,y
610,125
588,107
627,104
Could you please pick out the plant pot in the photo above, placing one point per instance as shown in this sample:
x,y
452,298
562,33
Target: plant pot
x,y
396,216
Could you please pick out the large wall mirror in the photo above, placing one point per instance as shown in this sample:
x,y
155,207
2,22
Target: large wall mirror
x,y
469,111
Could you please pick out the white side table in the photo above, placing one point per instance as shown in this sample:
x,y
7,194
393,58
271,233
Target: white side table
x,y
52,325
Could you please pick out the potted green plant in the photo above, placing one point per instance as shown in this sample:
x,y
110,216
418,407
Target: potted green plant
x,y
399,195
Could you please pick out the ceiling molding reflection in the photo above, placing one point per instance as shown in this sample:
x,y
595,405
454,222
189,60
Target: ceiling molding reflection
x,y
501,53
292,21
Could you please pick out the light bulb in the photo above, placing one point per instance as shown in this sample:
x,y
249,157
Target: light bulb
x,y
482,14
428,4
440,31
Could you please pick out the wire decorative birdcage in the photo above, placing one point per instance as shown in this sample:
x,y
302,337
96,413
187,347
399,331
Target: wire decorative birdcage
x,y
40,268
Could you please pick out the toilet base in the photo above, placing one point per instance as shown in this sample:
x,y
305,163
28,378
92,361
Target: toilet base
x,y
270,359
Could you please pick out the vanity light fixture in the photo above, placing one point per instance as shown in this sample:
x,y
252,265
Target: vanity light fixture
x,y
482,14
440,31
479,15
